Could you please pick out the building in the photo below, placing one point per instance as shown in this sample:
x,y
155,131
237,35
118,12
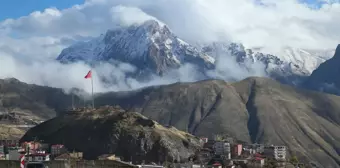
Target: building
x,y
204,139
204,156
237,150
108,157
57,150
9,142
64,156
258,148
209,144
33,146
222,148
76,155
257,162
247,152
277,152
70,156
13,155
39,156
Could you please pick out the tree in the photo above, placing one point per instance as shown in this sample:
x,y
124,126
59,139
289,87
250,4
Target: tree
x,y
294,160
270,163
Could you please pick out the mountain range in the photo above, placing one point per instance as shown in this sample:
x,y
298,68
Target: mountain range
x,y
254,110
154,49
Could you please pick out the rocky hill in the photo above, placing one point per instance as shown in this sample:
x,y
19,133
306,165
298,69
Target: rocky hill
x,y
32,101
110,130
10,132
253,110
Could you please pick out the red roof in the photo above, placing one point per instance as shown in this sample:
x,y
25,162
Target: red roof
x,y
258,155
39,154
257,158
217,164
57,145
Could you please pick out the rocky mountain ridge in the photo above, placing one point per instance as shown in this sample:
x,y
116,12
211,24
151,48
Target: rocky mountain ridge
x,y
31,101
326,76
153,48
150,47
253,110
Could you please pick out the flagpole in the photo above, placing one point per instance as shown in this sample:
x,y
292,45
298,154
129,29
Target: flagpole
x,y
92,90
72,101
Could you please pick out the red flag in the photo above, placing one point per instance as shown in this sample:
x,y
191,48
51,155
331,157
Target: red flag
x,y
88,75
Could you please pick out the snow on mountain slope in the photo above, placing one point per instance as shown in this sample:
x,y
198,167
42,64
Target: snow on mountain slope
x,y
153,47
150,46
290,61
306,60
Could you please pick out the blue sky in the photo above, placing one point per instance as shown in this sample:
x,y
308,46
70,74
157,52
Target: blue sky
x,y
11,9
17,8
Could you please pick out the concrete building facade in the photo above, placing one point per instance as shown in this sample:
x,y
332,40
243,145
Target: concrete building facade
x,y
222,148
277,152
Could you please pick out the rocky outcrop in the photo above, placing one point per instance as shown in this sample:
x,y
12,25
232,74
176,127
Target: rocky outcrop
x,y
110,130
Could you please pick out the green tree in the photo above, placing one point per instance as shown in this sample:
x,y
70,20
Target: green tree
x,y
270,163
294,160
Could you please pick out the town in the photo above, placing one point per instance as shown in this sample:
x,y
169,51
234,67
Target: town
x,y
215,153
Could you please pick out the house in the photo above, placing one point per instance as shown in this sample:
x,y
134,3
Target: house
x,y
33,146
108,157
38,157
209,144
13,155
76,155
9,142
246,152
219,162
64,156
204,140
57,150
259,148
237,150
70,156
258,162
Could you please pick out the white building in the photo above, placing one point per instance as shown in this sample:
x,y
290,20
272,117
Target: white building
x,y
277,152
222,148
280,152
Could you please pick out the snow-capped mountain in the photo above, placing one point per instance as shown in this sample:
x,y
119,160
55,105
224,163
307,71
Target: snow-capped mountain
x,y
150,46
153,47
291,63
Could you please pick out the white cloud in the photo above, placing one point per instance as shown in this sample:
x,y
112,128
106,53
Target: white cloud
x,y
272,24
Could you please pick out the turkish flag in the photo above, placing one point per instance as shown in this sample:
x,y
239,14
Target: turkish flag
x,y
88,75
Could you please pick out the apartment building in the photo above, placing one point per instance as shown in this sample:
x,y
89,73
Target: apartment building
x,y
277,152
222,148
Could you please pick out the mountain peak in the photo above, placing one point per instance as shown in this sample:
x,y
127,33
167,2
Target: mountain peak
x,y
150,47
